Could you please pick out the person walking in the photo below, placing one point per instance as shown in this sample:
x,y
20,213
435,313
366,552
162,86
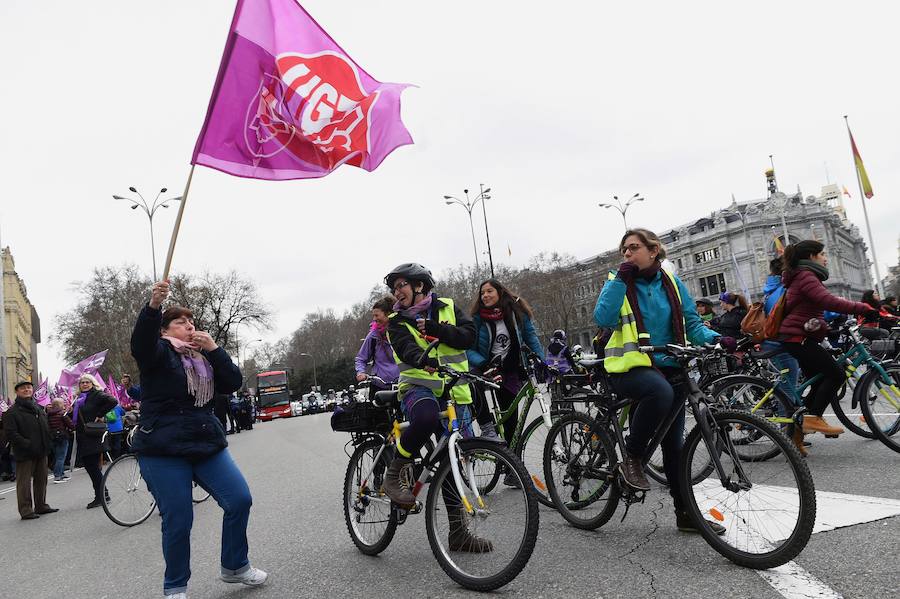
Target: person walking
x,y
61,429
375,356
803,328
180,440
26,428
91,405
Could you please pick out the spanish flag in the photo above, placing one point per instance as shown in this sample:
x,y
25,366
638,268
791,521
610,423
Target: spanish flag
x,y
779,247
863,177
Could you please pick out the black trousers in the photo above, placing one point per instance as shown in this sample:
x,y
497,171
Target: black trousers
x,y
92,467
815,359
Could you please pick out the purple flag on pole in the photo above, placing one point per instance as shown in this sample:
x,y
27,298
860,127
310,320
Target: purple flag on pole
x,y
69,376
289,103
42,394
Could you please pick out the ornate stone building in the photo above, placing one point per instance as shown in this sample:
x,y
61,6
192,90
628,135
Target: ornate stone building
x,y
21,328
730,249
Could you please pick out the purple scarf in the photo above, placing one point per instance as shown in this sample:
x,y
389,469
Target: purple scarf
x,y
78,404
197,369
413,312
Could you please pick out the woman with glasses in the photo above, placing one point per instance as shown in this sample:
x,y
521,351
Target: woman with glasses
x,y
91,405
646,305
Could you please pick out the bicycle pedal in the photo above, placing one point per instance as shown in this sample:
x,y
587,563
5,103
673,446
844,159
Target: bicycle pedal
x,y
831,436
416,509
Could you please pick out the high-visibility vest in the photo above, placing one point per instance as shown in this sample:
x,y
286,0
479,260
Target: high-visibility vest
x,y
446,356
623,348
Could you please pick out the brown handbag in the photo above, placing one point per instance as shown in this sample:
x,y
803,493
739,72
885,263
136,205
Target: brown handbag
x,y
775,317
754,322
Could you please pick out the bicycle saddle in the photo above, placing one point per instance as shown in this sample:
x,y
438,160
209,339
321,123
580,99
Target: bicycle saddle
x,y
385,399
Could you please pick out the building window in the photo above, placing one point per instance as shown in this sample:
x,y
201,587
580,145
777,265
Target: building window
x,y
679,264
712,285
706,256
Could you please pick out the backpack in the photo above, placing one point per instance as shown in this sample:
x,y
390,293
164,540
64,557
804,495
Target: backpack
x,y
754,323
775,317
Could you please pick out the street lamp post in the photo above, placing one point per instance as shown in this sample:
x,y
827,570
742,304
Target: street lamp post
x,y
150,211
244,350
315,376
468,206
623,208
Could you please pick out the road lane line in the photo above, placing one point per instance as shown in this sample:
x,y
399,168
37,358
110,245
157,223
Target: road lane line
x,y
793,582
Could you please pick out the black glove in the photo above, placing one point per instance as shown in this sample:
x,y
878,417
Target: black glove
x,y
627,270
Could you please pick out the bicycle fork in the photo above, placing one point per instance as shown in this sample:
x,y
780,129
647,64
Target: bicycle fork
x,y
704,418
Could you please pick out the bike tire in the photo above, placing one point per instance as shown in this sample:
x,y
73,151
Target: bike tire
x,y
525,525
134,498
568,437
885,428
851,421
198,493
534,458
357,503
722,503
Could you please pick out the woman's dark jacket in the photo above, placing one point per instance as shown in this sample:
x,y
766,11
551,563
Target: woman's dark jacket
x,y
26,428
729,323
171,425
96,405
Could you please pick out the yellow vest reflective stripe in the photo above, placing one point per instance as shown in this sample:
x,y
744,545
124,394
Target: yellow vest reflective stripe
x,y
623,348
446,356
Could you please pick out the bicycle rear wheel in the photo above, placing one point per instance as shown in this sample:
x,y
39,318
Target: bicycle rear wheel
x,y
852,417
198,493
127,500
767,507
579,467
508,520
531,452
879,401
370,517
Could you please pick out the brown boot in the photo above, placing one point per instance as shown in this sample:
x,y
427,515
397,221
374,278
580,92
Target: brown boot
x,y
798,441
633,473
395,486
817,424
460,539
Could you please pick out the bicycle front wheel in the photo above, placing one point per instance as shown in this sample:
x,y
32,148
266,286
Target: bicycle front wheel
x,y
371,520
486,549
768,508
198,493
879,400
531,452
127,500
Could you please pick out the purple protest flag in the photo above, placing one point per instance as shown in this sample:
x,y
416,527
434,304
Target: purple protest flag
x,y
289,103
69,376
42,395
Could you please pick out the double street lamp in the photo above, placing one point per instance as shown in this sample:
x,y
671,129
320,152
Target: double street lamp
x,y
623,208
468,206
315,376
150,210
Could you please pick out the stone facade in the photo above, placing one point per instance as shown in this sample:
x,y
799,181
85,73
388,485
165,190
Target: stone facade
x,y
22,327
730,249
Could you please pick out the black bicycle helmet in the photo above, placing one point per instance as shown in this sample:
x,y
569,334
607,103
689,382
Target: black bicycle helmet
x,y
411,271
559,334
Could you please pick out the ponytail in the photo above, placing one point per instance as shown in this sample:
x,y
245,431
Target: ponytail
x,y
802,250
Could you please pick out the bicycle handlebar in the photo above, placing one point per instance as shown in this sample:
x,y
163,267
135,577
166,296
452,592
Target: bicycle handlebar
x,y
455,375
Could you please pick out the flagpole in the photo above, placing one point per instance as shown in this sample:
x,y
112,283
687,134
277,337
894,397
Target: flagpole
x,y
862,200
177,227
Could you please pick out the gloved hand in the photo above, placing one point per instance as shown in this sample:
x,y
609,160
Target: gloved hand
x,y
627,270
729,344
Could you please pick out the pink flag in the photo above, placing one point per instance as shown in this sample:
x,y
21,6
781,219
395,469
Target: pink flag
x,y
289,103
69,376
42,394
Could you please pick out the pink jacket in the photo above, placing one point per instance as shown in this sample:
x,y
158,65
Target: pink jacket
x,y
808,298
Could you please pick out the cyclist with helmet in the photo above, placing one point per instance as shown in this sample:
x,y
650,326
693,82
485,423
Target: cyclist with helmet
x,y
647,305
419,317
559,356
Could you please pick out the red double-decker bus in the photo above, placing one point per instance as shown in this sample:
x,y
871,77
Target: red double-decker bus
x,y
274,397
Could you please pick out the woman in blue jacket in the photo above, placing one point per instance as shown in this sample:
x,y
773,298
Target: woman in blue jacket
x,y
649,306
503,324
180,440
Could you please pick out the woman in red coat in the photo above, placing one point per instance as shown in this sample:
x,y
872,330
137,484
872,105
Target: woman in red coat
x,y
803,327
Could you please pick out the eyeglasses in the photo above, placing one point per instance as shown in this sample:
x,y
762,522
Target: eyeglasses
x,y
631,248
400,286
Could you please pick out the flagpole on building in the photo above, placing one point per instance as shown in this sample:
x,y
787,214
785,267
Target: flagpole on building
x,y
862,200
184,198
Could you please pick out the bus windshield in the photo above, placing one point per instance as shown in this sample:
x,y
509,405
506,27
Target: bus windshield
x,y
273,389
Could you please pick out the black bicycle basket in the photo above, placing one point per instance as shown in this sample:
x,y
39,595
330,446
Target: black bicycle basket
x,y
360,417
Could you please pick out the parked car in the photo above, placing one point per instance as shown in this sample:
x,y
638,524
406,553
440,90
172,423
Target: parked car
x,y
296,408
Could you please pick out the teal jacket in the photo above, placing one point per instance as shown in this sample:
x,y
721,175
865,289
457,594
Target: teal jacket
x,y
657,313
480,354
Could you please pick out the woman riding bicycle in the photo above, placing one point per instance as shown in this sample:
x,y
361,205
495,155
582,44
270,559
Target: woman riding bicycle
x,y
375,356
419,317
646,305
803,327
503,324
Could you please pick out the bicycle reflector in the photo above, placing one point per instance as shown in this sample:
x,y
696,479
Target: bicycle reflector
x,y
716,514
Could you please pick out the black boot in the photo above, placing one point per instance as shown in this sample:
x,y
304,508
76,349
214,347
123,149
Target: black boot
x,y
460,539
685,523
395,486
633,473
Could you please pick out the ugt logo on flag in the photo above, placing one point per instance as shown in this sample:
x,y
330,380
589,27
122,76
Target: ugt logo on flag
x,y
308,107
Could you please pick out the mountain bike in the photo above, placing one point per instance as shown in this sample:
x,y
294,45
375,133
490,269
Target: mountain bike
x,y
768,507
456,471
127,499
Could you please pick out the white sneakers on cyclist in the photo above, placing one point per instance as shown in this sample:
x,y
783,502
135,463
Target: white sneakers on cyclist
x,y
253,577
177,596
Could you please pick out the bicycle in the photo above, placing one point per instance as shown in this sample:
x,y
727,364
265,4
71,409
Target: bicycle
x,y
767,507
456,470
127,499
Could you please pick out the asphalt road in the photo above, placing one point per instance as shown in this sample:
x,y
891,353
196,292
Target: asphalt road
x,y
297,533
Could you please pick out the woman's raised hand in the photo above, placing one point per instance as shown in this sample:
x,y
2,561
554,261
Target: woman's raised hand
x,y
203,340
158,294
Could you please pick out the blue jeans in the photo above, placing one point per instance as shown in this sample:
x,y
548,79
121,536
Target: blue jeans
x,y
785,361
169,479
60,447
656,398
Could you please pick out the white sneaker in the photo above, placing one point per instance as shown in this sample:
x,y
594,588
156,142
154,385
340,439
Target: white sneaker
x,y
59,481
253,577
177,596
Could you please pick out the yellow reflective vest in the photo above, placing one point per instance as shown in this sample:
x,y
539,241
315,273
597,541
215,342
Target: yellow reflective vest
x,y
446,356
623,348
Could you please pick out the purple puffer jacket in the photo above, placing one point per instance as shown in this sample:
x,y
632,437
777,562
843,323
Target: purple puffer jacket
x,y
808,298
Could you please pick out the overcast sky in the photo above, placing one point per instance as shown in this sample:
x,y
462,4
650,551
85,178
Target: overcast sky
x,y
556,107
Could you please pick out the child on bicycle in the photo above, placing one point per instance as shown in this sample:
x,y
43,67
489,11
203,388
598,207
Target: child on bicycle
x,y
420,317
